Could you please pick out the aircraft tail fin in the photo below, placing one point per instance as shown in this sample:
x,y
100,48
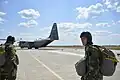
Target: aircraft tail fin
x,y
54,33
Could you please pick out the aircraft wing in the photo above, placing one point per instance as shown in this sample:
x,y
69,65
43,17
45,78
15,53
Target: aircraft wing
x,y
3,39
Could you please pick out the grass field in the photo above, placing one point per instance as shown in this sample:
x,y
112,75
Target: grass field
x,y
113,47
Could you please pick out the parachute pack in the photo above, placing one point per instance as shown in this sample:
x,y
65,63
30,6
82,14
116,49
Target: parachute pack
x,y
108,62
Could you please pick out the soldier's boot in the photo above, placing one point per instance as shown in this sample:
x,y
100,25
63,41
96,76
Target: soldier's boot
x,y
12,75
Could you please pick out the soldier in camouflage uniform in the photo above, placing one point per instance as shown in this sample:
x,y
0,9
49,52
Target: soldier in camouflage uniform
x,y
10,66
92,58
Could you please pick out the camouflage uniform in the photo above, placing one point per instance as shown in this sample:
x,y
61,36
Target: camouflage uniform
x,y
93,64
10,66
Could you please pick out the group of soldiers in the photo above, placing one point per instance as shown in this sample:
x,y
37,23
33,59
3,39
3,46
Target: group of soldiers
x,y
8,71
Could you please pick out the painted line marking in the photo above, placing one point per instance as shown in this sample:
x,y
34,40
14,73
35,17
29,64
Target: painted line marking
x,y
40,62
67,53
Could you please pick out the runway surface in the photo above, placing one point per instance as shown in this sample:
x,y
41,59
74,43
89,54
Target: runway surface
x,y
52,64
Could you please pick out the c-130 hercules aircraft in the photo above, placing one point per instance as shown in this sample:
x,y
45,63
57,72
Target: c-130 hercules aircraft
x,y
43,42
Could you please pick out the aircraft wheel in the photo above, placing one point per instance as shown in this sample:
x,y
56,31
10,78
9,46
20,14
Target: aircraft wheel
x,y
36,47
22,47
29,47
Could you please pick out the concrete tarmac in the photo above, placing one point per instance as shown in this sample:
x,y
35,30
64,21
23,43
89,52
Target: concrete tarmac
x,y
52,64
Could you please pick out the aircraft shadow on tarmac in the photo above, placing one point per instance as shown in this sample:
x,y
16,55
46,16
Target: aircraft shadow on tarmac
x,y
40,49
48,49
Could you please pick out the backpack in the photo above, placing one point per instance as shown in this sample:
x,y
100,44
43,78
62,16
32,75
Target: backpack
x,y
108,61
2,55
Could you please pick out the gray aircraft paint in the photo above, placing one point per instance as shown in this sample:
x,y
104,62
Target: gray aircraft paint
x,y
43,42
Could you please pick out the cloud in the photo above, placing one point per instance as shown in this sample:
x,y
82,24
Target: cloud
x,y
94,11
28,24
6,2
106,38
102,33
91,11
118,9
112,5
25,34
70,26
114,38
29,14
9,32
115,34
1,20
2,14
119,21
113,22
102,25
83,12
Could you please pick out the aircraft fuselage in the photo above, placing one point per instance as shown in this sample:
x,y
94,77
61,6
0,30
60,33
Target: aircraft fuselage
x,y
43,42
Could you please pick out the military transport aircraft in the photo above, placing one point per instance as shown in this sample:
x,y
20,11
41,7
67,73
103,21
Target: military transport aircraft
x,y
40,43
43,42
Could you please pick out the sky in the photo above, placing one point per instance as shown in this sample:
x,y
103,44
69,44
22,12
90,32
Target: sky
x,y
33,19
